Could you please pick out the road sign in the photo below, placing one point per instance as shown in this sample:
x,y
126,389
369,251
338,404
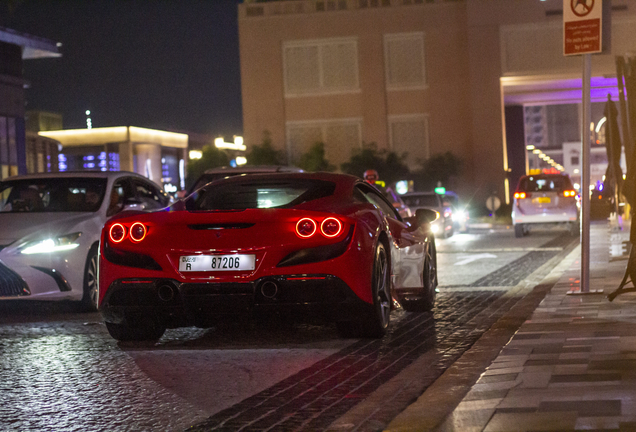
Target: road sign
x,y
493,203
582,27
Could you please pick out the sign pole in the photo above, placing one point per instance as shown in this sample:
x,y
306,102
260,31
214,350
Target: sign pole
x,y
585,174
584,23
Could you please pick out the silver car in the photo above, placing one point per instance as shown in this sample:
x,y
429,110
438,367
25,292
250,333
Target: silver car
x,y
50,226
545,199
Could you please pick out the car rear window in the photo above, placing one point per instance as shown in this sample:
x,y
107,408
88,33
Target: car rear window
x,y
421,200
250,194
207,178
55,194
544,184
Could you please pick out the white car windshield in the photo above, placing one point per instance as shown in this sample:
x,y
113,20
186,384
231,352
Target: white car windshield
x,y
54,194
541,183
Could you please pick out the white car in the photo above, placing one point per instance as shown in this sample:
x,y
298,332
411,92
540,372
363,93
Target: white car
x,y
545,199
50,226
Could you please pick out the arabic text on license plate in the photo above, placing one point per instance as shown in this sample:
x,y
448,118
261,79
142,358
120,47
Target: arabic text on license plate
x,y
236,262
543,200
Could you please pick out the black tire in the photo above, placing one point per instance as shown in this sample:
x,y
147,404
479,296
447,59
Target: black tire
x,y
148,331
429,276
519,231
376,320
90,292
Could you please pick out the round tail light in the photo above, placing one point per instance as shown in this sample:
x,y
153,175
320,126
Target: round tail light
x,y
331,227
137,232
117,233
306,227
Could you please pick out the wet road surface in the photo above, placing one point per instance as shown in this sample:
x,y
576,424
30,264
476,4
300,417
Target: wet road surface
x,y
60,371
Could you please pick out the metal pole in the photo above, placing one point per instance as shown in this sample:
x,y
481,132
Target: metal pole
x,y
585,175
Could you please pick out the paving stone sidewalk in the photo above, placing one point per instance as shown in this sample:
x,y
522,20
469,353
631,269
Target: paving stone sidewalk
x,y
571,366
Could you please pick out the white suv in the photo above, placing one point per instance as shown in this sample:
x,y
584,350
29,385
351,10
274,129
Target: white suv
x,y
545,199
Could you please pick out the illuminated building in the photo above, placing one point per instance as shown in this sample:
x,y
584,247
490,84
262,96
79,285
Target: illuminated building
x,y
156,154
417,76
14,48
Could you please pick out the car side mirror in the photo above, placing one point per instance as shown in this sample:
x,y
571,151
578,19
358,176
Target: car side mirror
x,y
426,216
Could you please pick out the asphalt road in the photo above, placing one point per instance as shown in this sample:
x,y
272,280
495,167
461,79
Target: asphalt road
x,y
60,371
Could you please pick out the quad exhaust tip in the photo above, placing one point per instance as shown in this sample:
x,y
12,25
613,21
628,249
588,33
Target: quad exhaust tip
x,y
166,292
269,289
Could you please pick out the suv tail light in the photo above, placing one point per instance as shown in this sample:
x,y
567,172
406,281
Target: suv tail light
x,y
569,193
520,195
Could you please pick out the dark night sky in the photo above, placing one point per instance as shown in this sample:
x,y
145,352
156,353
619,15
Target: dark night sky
x,y
159,64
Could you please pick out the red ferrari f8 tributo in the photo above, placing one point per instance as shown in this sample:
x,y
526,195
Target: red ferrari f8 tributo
x,y
302,244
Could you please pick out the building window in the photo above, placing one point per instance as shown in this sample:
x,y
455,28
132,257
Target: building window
x,y
8,147
320,67
338,136
409,134
41,153
404,61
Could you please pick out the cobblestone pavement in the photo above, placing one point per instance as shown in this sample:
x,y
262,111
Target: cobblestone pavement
x,y
69,375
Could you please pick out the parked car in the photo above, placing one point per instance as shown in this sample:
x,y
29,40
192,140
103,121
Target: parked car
x,y
222,172
50,226
323,245
545,199
443,226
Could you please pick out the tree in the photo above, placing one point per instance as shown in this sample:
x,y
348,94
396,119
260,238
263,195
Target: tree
x,y
211,157
389,165
441,167
314,159
265,153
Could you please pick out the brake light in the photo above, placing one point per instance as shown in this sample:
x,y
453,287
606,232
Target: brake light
x,y
569,193
117,233
306,227
137,232
520,195
331,227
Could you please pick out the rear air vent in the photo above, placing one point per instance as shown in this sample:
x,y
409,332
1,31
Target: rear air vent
x,y
220,226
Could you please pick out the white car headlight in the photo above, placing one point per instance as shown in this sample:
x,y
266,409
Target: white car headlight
x,y
48,245
459,215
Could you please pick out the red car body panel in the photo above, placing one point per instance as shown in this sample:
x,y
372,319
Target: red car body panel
x,y
271,238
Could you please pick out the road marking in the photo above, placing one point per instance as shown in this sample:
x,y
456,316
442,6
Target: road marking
x,y
528,249
476,257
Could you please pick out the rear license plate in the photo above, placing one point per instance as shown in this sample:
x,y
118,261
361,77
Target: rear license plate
x,y
542,200
217,263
